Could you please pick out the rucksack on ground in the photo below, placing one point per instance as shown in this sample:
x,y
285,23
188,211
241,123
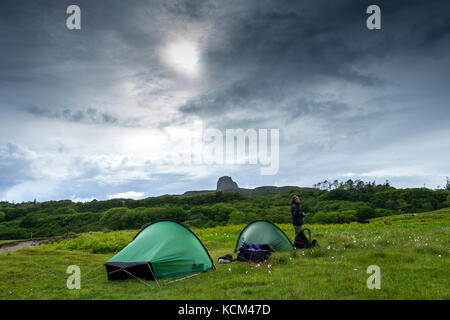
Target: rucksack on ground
x,y
301,241
226,258
254,252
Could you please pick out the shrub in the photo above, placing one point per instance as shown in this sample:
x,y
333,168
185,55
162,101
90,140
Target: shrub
x,y
335,217
365,212
382,212
64,210
29,221
237,217
112,218
348,216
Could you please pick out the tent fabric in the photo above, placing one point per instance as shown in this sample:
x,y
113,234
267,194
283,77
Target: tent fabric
x,y
264,232
161,249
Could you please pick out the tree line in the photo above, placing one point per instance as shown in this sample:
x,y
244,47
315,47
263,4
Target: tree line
x,y
335,202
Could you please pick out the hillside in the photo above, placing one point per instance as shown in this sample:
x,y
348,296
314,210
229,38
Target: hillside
x,y
258,191
412,253
349,202
226,183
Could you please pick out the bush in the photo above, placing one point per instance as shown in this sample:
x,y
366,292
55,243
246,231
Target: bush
x,y
383,212
112,218
447,202
137,218
64,210
427,206
348,216
29,221
220,213
365,212
237,217
335,217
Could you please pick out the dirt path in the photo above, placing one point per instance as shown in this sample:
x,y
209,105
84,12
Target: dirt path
x,y
20,245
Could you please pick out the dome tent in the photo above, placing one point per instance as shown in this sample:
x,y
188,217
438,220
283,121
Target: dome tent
x,y
161,249
264,232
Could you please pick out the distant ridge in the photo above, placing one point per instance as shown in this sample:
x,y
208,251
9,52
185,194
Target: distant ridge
x,y
226,183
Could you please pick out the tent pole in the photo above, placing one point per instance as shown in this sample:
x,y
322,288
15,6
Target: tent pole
x,y
192,275
95,269
153,275
121,269
114,271
136,277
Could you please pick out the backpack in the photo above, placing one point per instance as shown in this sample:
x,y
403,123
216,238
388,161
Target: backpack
x,y
226,258
301,241
253,252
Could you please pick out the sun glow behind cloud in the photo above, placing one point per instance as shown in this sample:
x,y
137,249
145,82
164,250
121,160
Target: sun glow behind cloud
x,y
182,56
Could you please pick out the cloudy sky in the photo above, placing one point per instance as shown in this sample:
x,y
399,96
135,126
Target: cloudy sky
x,y
100,112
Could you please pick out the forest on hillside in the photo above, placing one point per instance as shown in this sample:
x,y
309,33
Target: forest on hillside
x,y
335,202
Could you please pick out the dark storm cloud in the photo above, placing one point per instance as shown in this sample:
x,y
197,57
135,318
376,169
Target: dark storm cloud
x,y
273,49
437,33
41,60
86,116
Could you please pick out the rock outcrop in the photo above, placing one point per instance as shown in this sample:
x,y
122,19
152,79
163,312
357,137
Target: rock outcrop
x,y
226,184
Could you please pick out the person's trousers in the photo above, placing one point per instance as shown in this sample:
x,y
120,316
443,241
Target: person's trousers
x,y
297,229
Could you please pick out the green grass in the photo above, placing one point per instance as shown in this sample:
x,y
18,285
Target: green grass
x,y
413,257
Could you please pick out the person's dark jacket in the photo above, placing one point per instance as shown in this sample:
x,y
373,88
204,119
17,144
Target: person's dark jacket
x,y
297,216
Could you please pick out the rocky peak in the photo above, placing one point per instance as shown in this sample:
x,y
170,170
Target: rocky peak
x,y
225,183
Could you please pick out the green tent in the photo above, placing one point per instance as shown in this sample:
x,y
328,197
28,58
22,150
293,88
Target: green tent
x,y
161,249
264,232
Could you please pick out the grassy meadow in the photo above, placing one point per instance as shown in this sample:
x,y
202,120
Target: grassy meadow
x,y
412,253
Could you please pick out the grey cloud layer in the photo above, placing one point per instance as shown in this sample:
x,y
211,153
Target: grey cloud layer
x,y
346,99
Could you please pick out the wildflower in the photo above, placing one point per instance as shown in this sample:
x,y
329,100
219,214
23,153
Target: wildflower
x,y
328,247
229,269
269,266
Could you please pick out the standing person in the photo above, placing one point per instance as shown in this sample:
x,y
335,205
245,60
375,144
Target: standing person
x,y
297,216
